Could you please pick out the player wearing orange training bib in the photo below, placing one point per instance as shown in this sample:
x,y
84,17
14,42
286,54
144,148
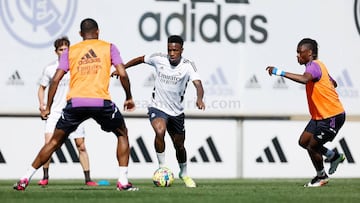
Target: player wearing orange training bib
x,y
327,112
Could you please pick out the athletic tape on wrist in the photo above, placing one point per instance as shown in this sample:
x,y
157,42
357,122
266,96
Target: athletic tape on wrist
x,y
278,72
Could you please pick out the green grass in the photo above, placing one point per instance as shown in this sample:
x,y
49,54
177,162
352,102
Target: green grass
x,y
208,191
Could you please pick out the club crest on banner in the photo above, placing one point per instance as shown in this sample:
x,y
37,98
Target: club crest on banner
x,y
357,14
35,23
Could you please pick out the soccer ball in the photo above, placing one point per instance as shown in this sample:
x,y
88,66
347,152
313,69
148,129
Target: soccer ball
x,y
163,177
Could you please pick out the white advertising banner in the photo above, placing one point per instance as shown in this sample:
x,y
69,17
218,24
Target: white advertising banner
x,y
271,150
215,149
231,43
211,152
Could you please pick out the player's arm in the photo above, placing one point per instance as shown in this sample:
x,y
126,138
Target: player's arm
x,y
59,74
303,79
41,96
135,61
200,94
132,62
129,104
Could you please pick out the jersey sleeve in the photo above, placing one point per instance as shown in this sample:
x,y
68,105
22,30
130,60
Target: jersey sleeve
x,y
193,72
115,55
152,58
315,70
64,61
45,77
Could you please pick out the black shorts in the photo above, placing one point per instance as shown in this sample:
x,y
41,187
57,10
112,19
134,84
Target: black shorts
x,y
174,124
325,130
108,117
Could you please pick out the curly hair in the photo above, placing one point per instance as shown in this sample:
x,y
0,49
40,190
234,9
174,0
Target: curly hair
x,y
61,41
310,44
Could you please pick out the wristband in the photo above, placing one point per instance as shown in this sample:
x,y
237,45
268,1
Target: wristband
x,y
278,72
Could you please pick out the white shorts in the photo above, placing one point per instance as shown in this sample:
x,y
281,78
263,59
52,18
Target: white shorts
x,y
50,124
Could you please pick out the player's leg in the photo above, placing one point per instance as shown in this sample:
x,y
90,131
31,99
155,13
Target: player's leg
x,y
66,124
313,146
45,180
176,131
42,157
330,128
111,120
158,120
50,124
181,156
46,151
84,160
79,136
159,126
123,152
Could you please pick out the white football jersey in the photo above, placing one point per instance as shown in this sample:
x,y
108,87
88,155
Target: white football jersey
x,y
59,100
170,82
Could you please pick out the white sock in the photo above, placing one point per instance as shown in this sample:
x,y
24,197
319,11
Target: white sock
x,y
183,169
29,173
161,158
123,171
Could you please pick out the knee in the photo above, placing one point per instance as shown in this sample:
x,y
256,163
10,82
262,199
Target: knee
x,y
179,145
81,147
54,144
303,144
121,131
160,132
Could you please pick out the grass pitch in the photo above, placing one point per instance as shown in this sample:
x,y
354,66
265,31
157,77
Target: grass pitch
x,y
208,191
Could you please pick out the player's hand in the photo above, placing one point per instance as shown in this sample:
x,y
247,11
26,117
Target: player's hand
x,y
275,71
42,107
129,105
200,104
115,74
44,113
270,69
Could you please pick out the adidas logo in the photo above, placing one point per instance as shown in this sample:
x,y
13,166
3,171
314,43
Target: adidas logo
x,y
15,79
204,155
217,78
70,149
144,151
344,80
89,54
2,160
269,154
345,86
346,150
217,84
253,82
89,57
280,83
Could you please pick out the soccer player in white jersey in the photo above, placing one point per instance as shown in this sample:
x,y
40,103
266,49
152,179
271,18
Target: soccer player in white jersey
x,y
166,111
59,103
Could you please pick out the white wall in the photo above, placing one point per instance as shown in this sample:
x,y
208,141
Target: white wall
x,y
262,136
236,145
19,147
232,67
